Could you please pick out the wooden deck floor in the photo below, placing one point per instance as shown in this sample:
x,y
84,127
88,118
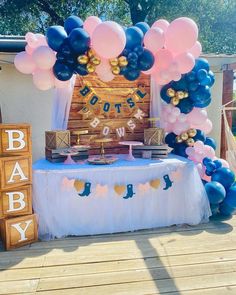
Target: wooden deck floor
x,y
183,260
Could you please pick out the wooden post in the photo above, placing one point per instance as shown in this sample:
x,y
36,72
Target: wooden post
x,y
228,78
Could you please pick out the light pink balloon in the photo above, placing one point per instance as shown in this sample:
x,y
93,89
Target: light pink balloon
x,y
29,49
189,151
61,84
180,127
163,59
198,146
161,24
154,39
91,23
24,63
158,77
41,40
107,77
181,35
196,50
108,39
44,57
209,152
185,62
197,116
175,76
200,169
103,67
207,126
43,79
182,118
31,39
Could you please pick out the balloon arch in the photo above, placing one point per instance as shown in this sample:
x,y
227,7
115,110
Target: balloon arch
x,y
169,52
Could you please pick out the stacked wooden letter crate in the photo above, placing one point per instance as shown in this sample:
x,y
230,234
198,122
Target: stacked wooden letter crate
x,y
18,226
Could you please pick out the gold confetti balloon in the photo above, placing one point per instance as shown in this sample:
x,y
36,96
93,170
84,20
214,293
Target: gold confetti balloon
x,y
190,142
123,62
184,136
180,94
170,92
91,53
95,60
90,68
114,62
175,101
116,70
192,132
185,94
178,139
83,59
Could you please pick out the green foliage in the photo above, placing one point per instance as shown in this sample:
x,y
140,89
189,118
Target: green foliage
x,y
216,19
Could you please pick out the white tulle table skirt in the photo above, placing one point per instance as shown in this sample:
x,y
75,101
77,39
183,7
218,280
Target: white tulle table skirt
x,y
62,212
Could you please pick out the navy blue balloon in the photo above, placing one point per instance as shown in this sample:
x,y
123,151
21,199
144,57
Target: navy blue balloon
x,y
211,167
212,76
181,85
193,86
65,48
200,136
71,61
146,60
218,164
133,65
214,209
201,63
60,57
206,81
132,74
62,71
208,173
139,50
190,77
180,149
206,160
201,74
55,37
132,56
215,192
185,105
134,37
226,210
170,139
123,70
164,95
81,70
144,27
126,52
73,22
225,176
230,199
211,142
79,40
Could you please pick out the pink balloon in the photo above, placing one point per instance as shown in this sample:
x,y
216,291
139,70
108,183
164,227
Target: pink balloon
x,y
154,39
180,127
41,40
31,39
196,50
175,76
43,79
29,49
207,126
107,77
197,116
158,77
91,23
163,59
61,84
108,39
161,24
209,152
103,67
189,151
185,62
182,118
24,63
181,35
44,57
224,163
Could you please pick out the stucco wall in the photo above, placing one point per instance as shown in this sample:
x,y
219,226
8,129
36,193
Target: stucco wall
x,y
22,102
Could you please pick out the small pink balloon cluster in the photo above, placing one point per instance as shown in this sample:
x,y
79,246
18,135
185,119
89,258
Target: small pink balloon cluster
x,y
175,121
175,48
38,59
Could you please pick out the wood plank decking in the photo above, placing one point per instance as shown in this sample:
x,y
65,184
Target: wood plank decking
x,y
199,260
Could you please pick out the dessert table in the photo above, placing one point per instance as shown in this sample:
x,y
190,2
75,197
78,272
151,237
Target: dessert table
x,y
124,196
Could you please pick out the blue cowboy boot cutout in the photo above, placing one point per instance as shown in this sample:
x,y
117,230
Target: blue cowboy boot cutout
x,y
168,182
130,192
87,190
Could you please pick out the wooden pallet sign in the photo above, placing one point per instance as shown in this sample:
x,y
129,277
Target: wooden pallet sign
x,y
16,202
15,171
15,139
19,231
116,109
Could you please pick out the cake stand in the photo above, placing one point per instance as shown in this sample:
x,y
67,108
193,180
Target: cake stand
x,y
130,156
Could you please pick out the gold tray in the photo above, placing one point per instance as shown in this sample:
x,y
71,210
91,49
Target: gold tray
x,y
102,160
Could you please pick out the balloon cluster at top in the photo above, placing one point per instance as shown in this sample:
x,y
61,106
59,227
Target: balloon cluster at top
x,y
166,50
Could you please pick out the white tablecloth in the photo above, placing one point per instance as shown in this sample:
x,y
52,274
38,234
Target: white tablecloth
x,y
62,212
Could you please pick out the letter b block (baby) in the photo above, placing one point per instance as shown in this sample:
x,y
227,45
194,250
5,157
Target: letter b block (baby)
x,y
15,139
19,231
15,171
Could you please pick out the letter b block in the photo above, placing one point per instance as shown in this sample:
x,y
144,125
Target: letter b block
x,y
16,202
15,139
19,231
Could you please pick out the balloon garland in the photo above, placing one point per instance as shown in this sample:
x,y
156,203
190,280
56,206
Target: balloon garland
x,y
166,50
185,120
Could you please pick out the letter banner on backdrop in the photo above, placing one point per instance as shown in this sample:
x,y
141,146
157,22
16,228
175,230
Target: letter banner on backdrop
x,y
96,107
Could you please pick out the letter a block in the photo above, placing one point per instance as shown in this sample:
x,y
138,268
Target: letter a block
x,y
15,171
19,231
16,202
15,139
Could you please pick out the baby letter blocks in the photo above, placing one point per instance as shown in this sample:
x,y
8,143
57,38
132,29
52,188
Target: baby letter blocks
x,y
17,225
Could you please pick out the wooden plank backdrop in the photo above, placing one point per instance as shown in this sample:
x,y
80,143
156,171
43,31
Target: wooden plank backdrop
x,y
118,90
